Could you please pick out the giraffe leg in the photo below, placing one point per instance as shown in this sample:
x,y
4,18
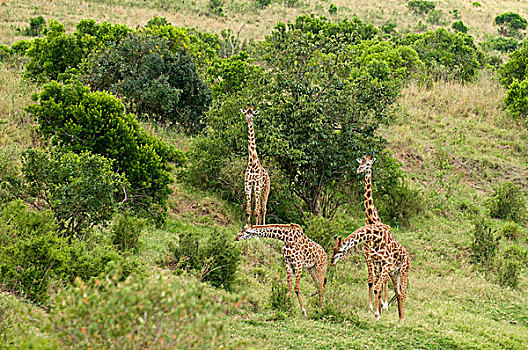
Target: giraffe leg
x,y
321,276
385,304
289,274
312,272
384,275
298,272
258,191
265,194
248,189
370,268
404,277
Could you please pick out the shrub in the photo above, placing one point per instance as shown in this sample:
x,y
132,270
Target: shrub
x,y
81,190
421,6
58,52
507,202
509,23
447,55
278,297
21,47
476,4
485,245
332,9
322,230
510,230
516,100
37,26
508,271
158,311
515,68
152,80
501,44
82,121
436,17
400,204
126,230
214,7
262,3
31,252
213,258
459,26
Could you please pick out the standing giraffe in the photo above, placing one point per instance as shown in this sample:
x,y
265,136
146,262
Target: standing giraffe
x,y
299,252
257,179
372,218
391,257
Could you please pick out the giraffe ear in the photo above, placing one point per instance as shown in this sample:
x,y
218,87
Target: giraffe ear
x,y
255,112
358,160
243,110
373,160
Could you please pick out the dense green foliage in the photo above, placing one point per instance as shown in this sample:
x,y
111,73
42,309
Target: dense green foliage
x,y
447,55
459,26
516,99
81,190
485,244
508,202
421,6
515,68
31,252
58,52
174,313
152,80
80,120
126,230
509,23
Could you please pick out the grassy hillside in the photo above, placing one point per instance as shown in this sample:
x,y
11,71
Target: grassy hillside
x,y
454,140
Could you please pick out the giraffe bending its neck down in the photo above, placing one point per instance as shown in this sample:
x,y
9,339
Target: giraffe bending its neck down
x,y
299,252
257,179
390,256
372,218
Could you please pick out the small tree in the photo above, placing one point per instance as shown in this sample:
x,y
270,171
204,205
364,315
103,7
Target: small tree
x,y
509,23
80,120
516,100
459,26
81,190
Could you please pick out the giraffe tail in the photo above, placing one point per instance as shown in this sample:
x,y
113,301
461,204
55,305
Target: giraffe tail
x,y
393,299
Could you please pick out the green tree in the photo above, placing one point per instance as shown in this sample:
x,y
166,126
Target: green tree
x,y
509,23
152,80
81,190
515,68
80,120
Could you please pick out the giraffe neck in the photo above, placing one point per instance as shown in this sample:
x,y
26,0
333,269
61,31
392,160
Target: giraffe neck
x,y
371,212
281,232
356,237
252,147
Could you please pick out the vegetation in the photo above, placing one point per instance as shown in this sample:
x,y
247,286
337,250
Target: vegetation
x,y
84,171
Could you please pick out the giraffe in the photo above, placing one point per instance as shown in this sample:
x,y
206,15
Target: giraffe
x,y
299,252
372,218
390,256
257,179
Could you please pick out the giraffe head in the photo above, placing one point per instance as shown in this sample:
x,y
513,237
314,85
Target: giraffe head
x,y
338,250
245,233
250,111
365,164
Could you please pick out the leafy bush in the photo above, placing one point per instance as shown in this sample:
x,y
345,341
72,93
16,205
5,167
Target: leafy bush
x,y
332,9
31,252
152,80
501,44
37,26
322,230
508,271
58,52
82,121
436,17
81,190
215,7
126,230
21,47
161,311
515,68
509,23
459,26
447,55
262,3
516,100
508,202
400,204
510,230
421,6
485,245
278,297
214,258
